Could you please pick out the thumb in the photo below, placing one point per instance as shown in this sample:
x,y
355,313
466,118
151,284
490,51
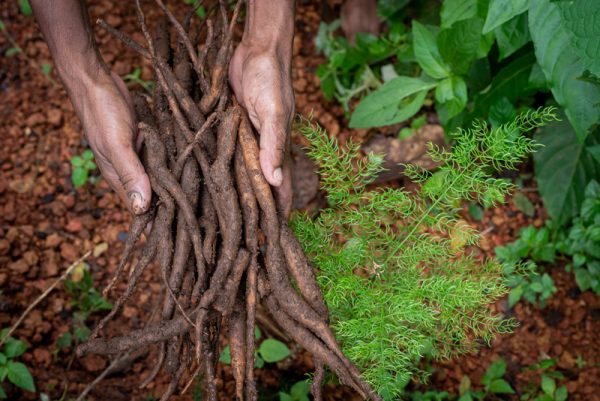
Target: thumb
x,y
273,136
133,178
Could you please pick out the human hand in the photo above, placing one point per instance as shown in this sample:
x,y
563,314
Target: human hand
x,y
262,84
108,118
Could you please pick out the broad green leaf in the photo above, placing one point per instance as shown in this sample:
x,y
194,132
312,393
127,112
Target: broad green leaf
x,y
2,393
3,372
390,103
257,333
285,396
14,348
515,295
19,375
512,35
595,152
457,10
79,176
2,359
512,83
476,212
495,371
582,19
562,66
452,92
583,278
500,11
563,167
502,111
272,350
225,356
300,390
548,385
560,394
501,386
459,45
427,52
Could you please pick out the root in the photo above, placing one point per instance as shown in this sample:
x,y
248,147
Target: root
x,y
211,209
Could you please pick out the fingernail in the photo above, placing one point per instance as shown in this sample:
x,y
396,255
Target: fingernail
x,y
137,203
277,175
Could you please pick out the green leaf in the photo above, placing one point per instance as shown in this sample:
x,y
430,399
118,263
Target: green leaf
x,y
512,82
77,161
2,393
563,167
225,356
395,101
300,390
562,67
25,7
475,211
560,394
427,52
46,69
258,361
79,176
502,111
500,11
3,373
19,375
495,371
452,92
523,203
65,340
459,45
257,333
457,10
12,51
88,154
14,348
501,386
272,350
285,396
387,8
583,279
2,359
2,25
512,35
582,19
515,295
548,385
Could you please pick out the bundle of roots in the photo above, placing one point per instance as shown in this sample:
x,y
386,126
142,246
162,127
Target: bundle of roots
x,y
216,233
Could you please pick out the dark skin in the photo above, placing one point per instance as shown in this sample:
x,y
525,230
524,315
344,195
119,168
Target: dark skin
x,y
259,74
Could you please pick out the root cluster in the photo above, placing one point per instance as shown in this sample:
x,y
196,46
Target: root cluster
x,y
216,232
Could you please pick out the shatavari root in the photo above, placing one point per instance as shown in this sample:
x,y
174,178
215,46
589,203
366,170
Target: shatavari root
x,y
216,234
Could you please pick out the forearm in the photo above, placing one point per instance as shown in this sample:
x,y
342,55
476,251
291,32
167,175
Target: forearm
x,y
270,26
66,29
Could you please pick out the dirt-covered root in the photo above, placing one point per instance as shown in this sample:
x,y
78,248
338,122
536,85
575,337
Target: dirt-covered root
x,y
215,231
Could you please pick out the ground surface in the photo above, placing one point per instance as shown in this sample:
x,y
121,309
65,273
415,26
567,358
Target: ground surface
x,y
45,224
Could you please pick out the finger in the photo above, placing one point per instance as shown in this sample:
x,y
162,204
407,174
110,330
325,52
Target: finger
x,y
273,137
133,178
284,192
111,177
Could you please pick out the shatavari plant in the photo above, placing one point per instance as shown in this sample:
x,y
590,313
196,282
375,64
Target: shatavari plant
x,y
394,265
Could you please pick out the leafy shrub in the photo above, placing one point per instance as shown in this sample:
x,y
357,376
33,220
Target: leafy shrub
x,y
393,265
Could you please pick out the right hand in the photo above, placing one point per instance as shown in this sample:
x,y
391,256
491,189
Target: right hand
x,y
108,118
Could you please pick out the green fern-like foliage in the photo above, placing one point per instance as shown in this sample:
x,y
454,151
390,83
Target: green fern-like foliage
x,y
394,265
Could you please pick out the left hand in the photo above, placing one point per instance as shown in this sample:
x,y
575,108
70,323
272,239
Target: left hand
x,y
262,85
